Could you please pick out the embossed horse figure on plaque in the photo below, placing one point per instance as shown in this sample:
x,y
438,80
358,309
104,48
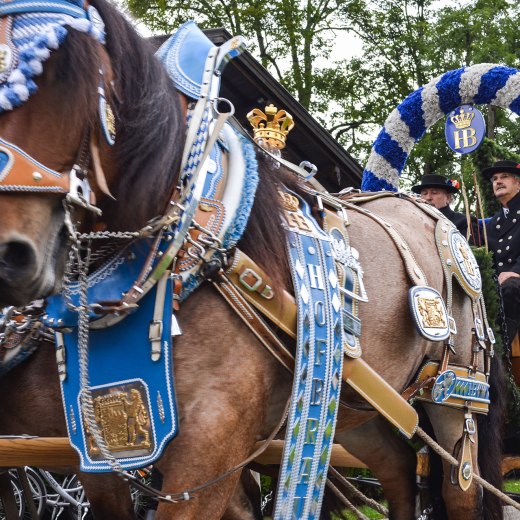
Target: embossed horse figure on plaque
x,y
103,215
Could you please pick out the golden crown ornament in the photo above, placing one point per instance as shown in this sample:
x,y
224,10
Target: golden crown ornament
x,y
270,128
463,119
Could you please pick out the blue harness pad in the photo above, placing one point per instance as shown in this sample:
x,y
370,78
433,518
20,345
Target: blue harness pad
x,y
184,56
317,374
134,400
105,284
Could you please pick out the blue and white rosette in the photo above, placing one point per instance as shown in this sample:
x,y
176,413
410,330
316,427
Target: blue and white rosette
x,y
483,84
35,34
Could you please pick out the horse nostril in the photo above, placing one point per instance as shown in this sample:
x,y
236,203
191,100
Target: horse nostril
x,y
17,259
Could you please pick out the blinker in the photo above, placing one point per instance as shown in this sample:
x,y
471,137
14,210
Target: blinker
x,y
5,158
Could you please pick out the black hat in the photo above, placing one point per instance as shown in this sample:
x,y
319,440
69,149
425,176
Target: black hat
x,y
432,180
501,167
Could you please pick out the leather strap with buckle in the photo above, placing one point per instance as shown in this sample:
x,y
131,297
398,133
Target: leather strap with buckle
x,y
254,285
252,281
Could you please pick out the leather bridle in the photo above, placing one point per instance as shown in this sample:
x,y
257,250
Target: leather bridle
x,y
22,173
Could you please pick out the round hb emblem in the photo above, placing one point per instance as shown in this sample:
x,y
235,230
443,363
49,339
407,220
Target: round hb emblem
x,y
444,386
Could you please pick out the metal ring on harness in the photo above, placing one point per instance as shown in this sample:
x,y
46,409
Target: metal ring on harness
x,y
224,101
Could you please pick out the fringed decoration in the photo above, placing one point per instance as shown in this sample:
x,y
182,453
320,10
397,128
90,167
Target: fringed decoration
x,y
251,179
480,84
35,36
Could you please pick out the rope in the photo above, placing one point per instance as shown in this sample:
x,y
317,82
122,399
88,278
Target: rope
x,y
454,462
376,506
346,502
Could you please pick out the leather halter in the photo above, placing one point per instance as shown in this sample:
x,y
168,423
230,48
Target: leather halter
x,y
21,173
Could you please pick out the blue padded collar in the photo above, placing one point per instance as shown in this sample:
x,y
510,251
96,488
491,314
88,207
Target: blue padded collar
x,y
68,7
184,56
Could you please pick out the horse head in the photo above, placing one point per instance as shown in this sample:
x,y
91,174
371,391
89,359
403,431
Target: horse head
x,y
76,135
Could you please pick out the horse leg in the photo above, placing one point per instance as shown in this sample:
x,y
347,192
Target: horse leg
x,y
448,424
246,500
108,495
391,460
31,404
225,382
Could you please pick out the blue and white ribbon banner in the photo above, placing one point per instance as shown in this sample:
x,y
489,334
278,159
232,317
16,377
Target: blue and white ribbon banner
x,y
484,84
317,374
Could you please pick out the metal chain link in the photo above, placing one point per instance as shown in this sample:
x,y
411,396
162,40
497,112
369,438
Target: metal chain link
x,y
86,399
506,342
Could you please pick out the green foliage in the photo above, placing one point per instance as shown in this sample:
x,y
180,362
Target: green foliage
x,y
512,486
489,290
287,36
405,44
490,293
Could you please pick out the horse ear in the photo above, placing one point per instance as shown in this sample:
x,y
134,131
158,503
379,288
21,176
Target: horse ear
x,y
98,169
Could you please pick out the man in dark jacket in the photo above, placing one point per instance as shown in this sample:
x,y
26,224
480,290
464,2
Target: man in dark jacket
x,y
503,232
438,191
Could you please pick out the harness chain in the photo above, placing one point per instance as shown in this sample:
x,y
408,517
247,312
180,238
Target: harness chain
x,y
86,399
506,342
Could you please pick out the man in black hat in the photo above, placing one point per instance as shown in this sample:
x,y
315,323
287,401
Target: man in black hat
x,y
438,191
503,232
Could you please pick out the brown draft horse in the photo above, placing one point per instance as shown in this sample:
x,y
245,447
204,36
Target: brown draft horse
x,y
231,392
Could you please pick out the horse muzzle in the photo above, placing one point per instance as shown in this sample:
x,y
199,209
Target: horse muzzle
x,y
18,266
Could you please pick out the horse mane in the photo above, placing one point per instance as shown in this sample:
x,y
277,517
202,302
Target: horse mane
x,y
150,138
265,239
149,121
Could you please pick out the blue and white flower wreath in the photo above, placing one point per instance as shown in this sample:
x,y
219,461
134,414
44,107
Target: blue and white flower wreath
x,y
486,84
39,27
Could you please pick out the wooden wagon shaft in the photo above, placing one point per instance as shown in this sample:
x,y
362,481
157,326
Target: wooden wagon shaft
x,y
57,451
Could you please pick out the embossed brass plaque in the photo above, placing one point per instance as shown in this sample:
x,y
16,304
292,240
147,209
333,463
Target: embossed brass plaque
x,y
289,202
465,259
432,312
429,313
111,120
122,414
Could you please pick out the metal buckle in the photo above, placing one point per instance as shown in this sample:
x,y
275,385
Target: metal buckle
x,y
79,192
452,324
491,336
479,329
470,426
249,272
155,330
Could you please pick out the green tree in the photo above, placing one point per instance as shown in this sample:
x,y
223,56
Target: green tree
x,y
405,43
288,36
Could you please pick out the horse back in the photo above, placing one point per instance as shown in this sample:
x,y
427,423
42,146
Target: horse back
x,y
390,341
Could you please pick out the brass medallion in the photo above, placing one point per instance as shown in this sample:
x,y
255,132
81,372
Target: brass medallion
x,y
122,415
289,202
432,313
465,259
111,120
